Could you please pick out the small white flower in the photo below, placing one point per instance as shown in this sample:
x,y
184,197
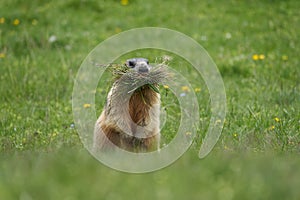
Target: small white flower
x,y
183,94
52,38
228,36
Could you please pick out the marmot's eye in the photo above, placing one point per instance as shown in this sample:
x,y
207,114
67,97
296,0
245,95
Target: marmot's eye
x,y
147,62
131,64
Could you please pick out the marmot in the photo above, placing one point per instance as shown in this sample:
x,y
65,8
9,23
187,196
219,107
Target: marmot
x,y
130,119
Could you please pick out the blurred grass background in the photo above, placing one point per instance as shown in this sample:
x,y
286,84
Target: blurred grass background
x,y
254,43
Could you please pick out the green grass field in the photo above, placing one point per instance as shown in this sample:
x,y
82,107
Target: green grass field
x,y
255,45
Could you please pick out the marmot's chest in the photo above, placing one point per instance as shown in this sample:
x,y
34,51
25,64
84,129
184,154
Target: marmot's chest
x,y
142,105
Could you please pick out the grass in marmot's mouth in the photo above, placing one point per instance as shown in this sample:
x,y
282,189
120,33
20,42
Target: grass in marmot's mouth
x,y
158,75
133,80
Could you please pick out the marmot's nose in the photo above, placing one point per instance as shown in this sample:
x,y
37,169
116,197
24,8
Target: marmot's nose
x,y
143,67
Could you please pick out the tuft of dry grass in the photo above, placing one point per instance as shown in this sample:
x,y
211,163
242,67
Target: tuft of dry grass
x,y
129,80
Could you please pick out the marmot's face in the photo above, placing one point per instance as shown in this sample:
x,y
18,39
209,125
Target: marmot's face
x,y
140,65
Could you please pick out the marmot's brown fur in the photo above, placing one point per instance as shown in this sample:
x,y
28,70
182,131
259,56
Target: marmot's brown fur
x,y
130,121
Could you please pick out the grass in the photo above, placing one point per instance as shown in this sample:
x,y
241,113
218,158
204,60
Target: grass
x,y
42,45
77,176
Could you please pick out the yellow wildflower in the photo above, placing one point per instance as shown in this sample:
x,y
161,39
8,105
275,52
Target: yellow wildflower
x,y
185,88
2,20
166,87
272,128
261,56
124,2
188,133
16,22
198,89
284,57
255,57
218,121
235,135
34,22
277,119
118,30
2,55
86,105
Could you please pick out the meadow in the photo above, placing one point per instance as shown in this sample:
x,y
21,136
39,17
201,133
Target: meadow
x,y
255,45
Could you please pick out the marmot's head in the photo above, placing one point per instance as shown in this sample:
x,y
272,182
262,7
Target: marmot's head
x,y
136,73
140,65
